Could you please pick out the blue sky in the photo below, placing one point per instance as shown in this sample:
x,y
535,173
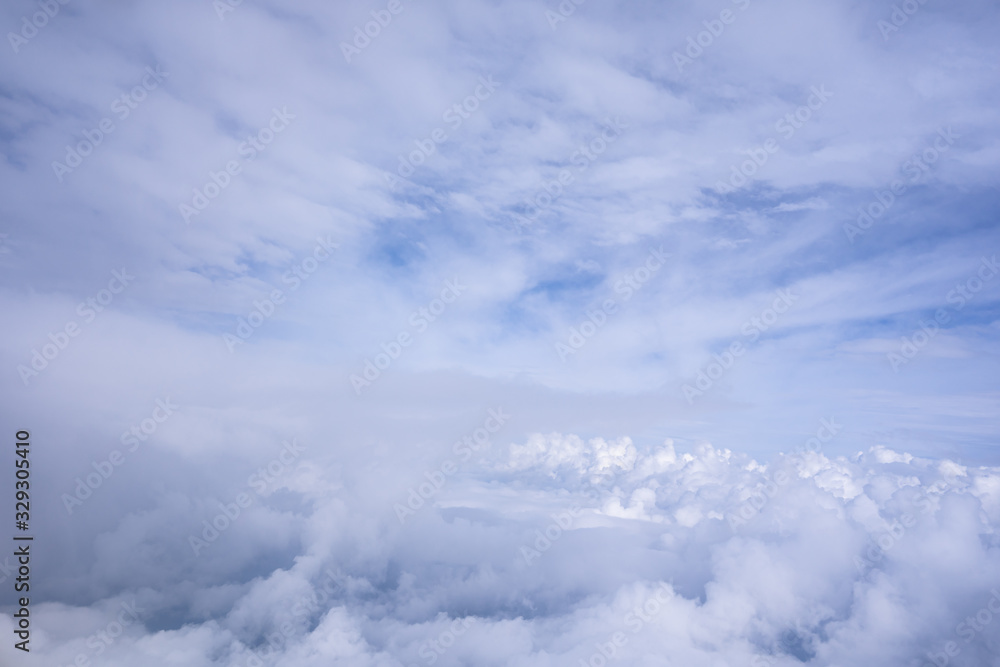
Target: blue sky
x,y
568,181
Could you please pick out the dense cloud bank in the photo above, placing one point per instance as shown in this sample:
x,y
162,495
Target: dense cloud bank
x,y
556,550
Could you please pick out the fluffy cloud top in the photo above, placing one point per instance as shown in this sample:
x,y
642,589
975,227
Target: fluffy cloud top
x,y
559,550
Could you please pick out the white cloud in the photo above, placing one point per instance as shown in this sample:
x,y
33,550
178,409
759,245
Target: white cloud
x,y
810,557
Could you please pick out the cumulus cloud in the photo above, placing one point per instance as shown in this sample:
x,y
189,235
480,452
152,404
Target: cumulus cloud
x,y
705,557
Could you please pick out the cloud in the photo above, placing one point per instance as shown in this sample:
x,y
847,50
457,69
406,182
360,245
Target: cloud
x,y
543,165
702,556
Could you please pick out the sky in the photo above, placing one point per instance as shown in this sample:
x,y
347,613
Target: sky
x,y
502,333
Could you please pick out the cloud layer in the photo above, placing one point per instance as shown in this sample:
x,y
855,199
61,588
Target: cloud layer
x,y
557,550
513,333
